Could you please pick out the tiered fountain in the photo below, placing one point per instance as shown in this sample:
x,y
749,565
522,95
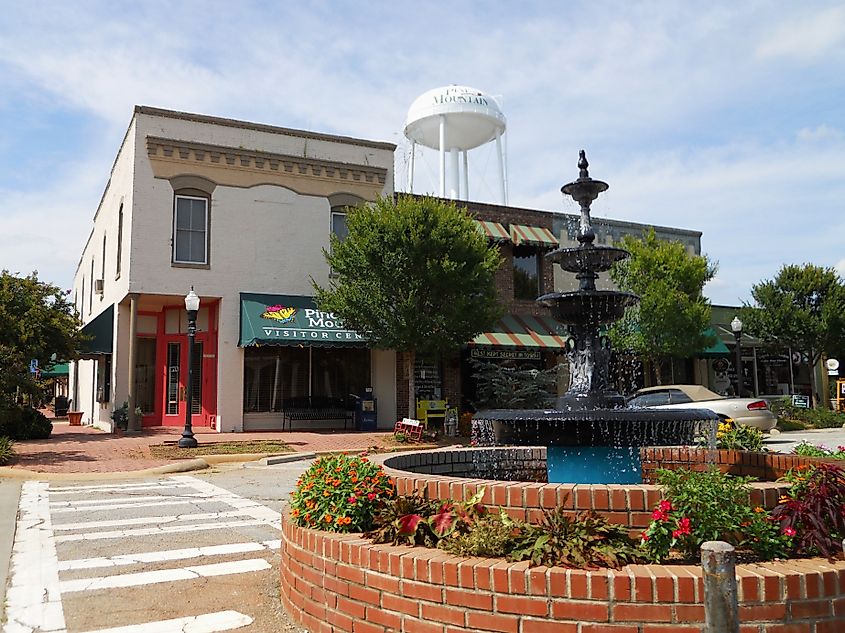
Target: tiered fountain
x,y
592,437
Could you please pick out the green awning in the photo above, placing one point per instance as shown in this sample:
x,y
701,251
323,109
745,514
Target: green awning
x,y
100,332
717,349
56,371
291,320
525,331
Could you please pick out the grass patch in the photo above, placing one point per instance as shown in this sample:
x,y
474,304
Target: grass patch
x,y
790,425
171,451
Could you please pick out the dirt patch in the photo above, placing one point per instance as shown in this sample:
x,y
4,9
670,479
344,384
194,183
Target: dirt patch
x,y
170,450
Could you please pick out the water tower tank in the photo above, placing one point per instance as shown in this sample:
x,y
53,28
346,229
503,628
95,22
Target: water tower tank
x,y
455,119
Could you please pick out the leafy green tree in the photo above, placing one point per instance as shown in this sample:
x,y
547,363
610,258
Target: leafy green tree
x,y
413,275
803,307
36,322
673,316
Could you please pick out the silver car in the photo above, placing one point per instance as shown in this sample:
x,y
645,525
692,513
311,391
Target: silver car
x,y
751,411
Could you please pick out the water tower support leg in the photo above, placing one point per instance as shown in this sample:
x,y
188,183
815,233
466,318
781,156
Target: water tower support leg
x,y
455,179
465,193
501,168
442,147
411,167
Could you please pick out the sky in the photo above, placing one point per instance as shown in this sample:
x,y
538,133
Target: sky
x,y
722,117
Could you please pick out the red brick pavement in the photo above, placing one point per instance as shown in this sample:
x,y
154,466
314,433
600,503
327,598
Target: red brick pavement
x,y
84,449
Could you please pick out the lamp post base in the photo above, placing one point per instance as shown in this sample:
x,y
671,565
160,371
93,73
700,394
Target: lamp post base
x,y
187,441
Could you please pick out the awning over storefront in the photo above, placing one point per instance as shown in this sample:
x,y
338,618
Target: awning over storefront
x,y
493,231
56,371
717,349
535,332
290,320
534,235
100,332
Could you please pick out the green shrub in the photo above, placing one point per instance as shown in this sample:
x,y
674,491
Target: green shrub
x,y
6,450
340,493
24,423
817,418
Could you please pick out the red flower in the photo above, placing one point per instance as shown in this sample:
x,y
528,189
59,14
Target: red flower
x,y
371,496
659,515
665,505
789,531
644,537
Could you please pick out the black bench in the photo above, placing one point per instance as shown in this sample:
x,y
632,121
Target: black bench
x,y
315,408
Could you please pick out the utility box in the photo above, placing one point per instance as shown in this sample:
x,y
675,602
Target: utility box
x,y
366,411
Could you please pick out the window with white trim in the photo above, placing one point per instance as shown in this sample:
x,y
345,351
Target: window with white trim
x,y
190,230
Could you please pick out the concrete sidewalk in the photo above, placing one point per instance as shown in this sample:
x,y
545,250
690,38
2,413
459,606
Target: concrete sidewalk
x,y
84,449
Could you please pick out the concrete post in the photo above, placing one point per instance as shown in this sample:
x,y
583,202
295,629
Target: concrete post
x,y
718,563
133,424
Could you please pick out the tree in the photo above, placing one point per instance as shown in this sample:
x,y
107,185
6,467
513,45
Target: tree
x,y
413,275
803,307
36,322
673,316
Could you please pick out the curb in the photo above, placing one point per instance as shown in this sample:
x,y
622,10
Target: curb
x,y
179,467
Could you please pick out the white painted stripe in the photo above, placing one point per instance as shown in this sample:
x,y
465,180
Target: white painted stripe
x,y
210,491
206,623
84,525
33,601
164,575
90,504
69,490
167,555
125,506
168,529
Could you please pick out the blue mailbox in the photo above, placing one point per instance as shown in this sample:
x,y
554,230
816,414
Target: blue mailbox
x,y
366,412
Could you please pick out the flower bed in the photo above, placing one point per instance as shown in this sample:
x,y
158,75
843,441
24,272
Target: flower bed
x,y
342,582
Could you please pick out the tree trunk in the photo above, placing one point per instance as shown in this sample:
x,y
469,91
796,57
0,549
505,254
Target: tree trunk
x,y
412,401
655,365
813,399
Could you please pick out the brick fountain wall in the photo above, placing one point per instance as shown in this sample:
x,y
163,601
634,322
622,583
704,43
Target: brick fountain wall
x,y
344,583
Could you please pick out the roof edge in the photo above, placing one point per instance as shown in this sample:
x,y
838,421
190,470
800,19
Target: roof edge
x,y
260,127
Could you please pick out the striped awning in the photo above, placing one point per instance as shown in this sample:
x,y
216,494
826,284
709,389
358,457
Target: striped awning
x,y
535,235
522,330
493,231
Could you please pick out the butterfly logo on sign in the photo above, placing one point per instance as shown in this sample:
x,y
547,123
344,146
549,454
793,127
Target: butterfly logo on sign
x,y
279,313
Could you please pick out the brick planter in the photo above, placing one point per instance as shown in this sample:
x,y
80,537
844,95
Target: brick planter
x,y
333,583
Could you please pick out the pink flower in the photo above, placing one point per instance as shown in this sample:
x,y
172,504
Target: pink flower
x,y
371,496
789,531
352,499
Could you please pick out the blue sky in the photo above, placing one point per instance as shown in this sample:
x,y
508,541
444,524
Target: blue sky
x,y
725,119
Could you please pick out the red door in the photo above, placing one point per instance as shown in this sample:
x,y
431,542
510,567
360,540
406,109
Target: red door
x,y
175,389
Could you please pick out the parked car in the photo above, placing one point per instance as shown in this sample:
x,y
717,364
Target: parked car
x,y
751,411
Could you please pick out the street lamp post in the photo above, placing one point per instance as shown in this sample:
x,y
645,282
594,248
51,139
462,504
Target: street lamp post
x,y
736,326
192,306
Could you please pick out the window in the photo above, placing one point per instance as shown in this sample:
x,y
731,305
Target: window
x,y
676,396
651,399
526,273
339,224
190,230
104,379
145,364
119,241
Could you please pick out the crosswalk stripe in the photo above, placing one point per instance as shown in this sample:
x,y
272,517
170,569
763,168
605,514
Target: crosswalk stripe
x,y
167,555
171,518
164,575
33,600
206,623
167,529
131,506
65,490
91,504
210,491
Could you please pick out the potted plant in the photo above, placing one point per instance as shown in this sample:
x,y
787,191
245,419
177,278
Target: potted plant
x,y
120,416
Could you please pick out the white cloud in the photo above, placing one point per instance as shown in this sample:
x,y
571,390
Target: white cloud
x,y
805,34
821,132
840,267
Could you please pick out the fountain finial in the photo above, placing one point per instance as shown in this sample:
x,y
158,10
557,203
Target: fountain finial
x,y
582,165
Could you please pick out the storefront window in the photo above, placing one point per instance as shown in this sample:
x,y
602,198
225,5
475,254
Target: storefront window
x,y
526,273
272,375
145,349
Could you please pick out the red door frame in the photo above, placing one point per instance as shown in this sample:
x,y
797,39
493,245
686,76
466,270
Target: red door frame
x,y
208,405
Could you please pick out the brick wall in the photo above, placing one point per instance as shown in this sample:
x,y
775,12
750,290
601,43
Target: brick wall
x,y
625,504
763,466
343,583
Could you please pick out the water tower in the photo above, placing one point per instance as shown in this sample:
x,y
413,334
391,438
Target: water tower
x,y
454,120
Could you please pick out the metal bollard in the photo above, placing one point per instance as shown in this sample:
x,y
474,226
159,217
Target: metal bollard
x,y
718,562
